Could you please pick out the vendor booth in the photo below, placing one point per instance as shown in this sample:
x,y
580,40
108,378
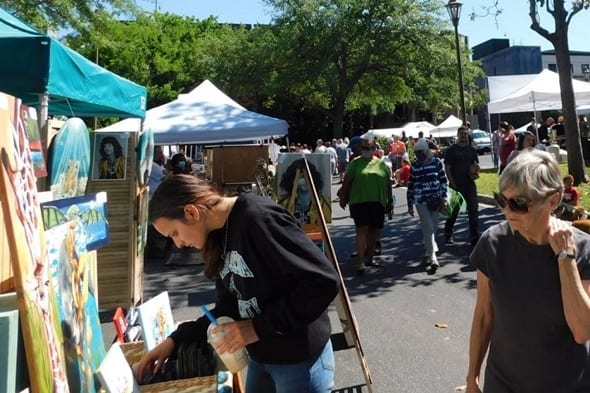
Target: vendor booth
x,y
207,116
47,78
204,116
531,92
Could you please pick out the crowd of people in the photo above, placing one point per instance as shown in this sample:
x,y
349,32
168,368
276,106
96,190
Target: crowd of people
x,y
278,291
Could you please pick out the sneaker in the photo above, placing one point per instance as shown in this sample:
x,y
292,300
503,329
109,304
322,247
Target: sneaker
x,y
377,250
432,264
449,239
354,254
361,270
371,263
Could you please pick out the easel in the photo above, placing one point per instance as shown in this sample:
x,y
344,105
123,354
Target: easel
x,y
342,301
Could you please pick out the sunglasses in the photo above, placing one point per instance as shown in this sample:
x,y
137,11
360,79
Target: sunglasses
x,y
367,148
519,205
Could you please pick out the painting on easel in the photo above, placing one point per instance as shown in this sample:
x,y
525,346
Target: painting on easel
x,y
24,228
293,192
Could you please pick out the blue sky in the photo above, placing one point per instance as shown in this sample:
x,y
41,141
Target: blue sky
x,y
513,23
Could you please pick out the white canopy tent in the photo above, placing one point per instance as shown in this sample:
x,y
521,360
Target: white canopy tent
x,y
448,128
531,92
204,116
412,129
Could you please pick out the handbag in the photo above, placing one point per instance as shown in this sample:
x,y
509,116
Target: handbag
x,y
434,203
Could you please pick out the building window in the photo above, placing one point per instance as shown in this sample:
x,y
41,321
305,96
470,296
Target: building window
x,y
585,67
552,67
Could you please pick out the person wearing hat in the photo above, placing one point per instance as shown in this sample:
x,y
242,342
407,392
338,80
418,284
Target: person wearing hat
x,y
427,191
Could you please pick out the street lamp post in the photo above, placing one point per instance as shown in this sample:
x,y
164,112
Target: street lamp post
x,y
454,8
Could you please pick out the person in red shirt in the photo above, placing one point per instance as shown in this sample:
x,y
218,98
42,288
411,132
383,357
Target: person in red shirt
x,y
571,194
402,175
507,143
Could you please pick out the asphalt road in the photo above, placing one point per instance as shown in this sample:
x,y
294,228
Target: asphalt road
x,y
396,305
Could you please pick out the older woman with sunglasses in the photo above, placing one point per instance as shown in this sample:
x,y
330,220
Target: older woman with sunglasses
x,y
532,313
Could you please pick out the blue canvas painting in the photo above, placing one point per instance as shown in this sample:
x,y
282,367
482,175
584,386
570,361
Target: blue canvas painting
x,y
89,211
71,270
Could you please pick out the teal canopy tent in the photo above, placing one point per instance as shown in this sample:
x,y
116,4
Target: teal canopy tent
x,y
34,65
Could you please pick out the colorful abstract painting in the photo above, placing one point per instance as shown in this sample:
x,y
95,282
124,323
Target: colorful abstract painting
x,y
90,211
26,238
71,270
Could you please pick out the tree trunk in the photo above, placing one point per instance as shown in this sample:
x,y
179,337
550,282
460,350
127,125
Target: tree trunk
x,y
339,108
575,158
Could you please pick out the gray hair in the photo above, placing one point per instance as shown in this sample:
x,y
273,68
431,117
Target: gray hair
x,y
535,174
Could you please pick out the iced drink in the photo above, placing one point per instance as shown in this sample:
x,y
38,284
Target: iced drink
x,y
234,362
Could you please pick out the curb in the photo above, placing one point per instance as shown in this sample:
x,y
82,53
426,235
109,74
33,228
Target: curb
x,y
486,199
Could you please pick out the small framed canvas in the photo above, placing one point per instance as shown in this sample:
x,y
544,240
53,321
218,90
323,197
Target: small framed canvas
x,y
155,319
110,156
115,374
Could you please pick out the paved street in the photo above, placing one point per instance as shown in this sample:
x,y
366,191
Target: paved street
x,y
396,305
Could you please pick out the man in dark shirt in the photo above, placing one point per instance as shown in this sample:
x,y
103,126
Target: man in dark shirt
x,y
544,131
458,160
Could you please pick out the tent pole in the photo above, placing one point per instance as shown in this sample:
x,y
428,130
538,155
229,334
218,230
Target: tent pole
x,y
535,115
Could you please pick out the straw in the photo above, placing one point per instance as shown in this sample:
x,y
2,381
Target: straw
x,y
209,315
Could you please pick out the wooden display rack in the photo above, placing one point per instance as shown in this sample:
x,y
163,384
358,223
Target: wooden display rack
x,y
342,301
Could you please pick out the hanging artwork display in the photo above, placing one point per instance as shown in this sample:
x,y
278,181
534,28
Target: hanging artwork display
x,y
110,156
29,117
293,193
89,211
72,271
143,201
69,154
26,239
145,155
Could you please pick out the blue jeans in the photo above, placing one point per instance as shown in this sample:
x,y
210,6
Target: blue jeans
x,y
429,226
313,376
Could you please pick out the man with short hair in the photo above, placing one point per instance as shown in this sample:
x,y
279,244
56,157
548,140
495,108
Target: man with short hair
x,y
458,160
544,131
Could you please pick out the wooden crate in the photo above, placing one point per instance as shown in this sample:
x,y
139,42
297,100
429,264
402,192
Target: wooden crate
x,y
234,164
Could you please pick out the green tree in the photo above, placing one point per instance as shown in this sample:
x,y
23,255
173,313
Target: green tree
x,y
78,15
168,54
559,39
345,56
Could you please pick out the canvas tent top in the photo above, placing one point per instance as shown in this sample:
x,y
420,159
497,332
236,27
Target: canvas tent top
x,y
412,129
205,115
448,128
531,92
32,63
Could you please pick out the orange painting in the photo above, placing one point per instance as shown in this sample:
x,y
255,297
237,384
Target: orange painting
x,y
24,228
